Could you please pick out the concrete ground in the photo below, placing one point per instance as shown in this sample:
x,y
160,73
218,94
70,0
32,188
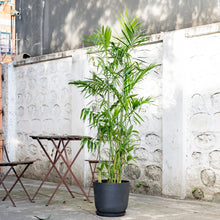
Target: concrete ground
x,y
63,207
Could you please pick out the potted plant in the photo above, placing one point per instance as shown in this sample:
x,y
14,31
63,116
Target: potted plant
x,y
112,88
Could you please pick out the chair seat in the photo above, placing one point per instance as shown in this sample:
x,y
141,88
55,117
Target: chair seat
x,y
92,161
15,163
11,167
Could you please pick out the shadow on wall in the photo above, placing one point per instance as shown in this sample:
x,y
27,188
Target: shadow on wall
x,y
52,26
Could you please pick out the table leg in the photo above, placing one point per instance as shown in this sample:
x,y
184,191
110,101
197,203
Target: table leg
x,y
53,166
69,170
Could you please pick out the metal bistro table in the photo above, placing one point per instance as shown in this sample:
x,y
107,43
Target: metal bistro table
x,y
60,144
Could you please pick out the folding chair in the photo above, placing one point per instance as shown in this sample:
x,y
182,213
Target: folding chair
x,y
92,165
11,166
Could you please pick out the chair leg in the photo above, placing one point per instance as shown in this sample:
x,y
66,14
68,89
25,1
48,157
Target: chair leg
x,y
92,169
7,192
19,179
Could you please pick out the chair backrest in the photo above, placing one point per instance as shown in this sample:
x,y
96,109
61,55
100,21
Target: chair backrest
x,y
3,148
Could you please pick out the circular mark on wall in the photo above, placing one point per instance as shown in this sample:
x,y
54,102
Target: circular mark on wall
x,y
215,98
208,177
20,98
20,111
197,193
200,122
67,108
136,137
196,155
205,140
214,159
198,104
33,149
133,172
56,110
141,153
32,110
28,98
152,139
157,155
153,172
45,110
21,137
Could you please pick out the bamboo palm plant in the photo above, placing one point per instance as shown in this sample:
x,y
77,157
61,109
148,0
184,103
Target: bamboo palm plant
x,y
112,86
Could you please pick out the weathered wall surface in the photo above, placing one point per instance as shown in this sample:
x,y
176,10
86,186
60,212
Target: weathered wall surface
x,y
40,102
146,174
190,113
45,104
53,26
203,91
178,147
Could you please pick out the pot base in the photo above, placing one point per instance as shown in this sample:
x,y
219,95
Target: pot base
x,y
111,199
110,214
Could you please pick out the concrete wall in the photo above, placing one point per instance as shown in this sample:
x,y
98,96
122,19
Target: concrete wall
x,y
178,142
53,26
44,104
146,174
39,101
190,113
203,118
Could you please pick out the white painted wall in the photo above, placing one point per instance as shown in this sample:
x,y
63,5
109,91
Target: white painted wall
x,y
179,149
174,54
40,102
190,113
203,121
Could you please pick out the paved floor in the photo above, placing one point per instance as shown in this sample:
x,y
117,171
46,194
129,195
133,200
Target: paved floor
x,y
140,207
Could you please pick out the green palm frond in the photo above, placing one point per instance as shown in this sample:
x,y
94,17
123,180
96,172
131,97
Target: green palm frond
x,y
112,87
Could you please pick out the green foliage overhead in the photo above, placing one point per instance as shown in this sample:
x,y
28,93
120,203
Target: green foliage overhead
x,y
112,87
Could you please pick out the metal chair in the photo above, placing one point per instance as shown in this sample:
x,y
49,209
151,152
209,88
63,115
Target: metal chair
x,y
93,168
11,166
92,165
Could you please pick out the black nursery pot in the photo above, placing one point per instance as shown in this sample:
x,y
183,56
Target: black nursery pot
x,y
111,199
